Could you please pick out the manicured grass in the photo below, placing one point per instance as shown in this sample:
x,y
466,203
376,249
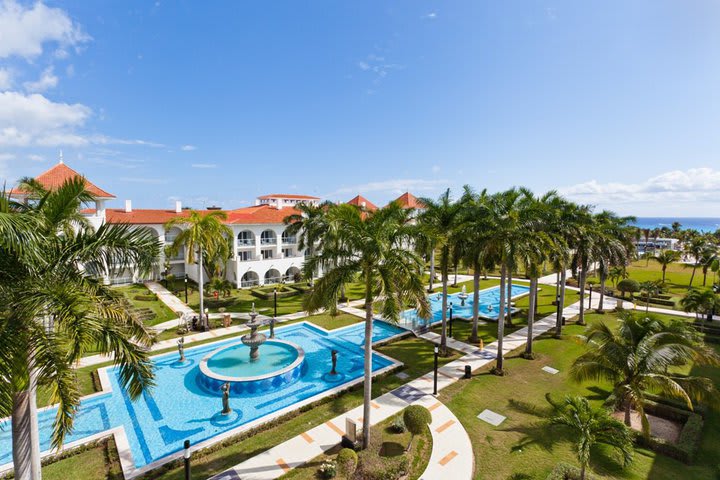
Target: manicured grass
x,y
95,463
394,445
523,447
161,311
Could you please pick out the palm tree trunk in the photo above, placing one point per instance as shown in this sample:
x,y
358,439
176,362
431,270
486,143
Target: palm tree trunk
x,y
582,472
561,306
455,284
603,277
509,299
476,304
693,273
531,316
663,270
201,289
581,277
432,270
627,413
501,322
25,433
443,334
367,388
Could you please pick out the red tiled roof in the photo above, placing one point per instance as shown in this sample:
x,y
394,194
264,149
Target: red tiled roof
x,y
361,201
59,174
251,215
408,200
260,214
288,195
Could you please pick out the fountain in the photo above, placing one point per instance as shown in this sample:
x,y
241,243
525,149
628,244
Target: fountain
x,y
253,339
463,296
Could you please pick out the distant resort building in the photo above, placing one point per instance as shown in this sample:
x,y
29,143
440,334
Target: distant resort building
x,y
658,244
263,251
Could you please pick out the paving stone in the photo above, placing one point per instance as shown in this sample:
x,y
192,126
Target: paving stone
x,y
491,417
550,370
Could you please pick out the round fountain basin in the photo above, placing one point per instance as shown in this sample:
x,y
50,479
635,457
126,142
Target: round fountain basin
x,y
280,363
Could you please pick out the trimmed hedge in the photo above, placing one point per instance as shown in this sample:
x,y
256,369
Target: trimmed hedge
x,y
690,435
565,471
270,295
145,298
655,301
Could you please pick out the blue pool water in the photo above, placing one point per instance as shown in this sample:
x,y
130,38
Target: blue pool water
x,y
235,361
489,305
177,409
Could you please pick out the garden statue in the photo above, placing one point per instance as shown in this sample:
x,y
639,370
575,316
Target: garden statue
x,y
226,398
334,354
463,296
181,348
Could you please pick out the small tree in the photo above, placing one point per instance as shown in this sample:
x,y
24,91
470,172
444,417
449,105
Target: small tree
x,y
347,461
416,418
628,285
649,290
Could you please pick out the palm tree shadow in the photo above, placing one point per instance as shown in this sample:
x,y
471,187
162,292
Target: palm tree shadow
x,y
598,393
538,432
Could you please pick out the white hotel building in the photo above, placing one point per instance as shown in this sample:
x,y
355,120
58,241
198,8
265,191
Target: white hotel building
x,y
263,251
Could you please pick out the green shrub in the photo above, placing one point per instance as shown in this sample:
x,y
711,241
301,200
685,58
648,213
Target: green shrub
x,y
628,285
398,425
145,297
347,462
327,470
262,294
565,471
416,418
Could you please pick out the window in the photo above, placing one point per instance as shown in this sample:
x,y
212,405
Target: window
x,y
244,256
266,254
287,252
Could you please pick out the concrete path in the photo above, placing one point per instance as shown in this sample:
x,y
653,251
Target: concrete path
x,y
454,457
173,302
452,454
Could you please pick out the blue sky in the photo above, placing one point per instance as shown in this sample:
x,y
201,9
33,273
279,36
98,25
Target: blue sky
x,y
613,103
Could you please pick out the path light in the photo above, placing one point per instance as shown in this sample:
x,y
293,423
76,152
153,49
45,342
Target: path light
x,y
437,350
207,319
186,457
451,319
186,300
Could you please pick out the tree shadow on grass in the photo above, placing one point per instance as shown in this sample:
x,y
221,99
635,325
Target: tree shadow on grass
x,y
598,393
536,432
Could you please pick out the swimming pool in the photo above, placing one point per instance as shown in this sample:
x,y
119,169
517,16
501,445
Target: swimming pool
x,y
179,408
489,306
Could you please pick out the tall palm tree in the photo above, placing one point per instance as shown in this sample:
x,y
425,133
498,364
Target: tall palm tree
x,y
439,221
636,357
709,256
373,246
55,309
695,248
701,301
590,427
666,258
613,246
203,234
649,288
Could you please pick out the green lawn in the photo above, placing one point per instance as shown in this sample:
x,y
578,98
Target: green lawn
x,y
521,446
161,311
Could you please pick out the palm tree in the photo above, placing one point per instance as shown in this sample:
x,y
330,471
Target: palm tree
x,y
206,234
373,246
55,309
707,258
702,301
636,357
310,225
613,245
589,427
438,221
617,273
650,289
695,248
666,258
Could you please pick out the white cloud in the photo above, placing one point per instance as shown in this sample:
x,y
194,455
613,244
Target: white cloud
x,y
695,185
430,16
394,186
47,80
36,158
435,168
378,67
6,79
204,165
24,29
188,148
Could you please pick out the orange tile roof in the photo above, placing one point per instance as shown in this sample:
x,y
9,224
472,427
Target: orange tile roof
x,y
260,214
59,174
288,195
360,201
408,200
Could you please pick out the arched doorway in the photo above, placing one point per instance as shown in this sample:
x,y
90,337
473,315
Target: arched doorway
x,y
249,279
272,276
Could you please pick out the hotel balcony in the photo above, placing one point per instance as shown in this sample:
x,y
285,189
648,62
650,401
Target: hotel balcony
x,y
268,241
245,243
289,240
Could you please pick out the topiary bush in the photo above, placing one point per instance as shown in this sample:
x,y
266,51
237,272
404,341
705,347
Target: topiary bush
x,y
145,298
416,419
628,285
397,426
347,462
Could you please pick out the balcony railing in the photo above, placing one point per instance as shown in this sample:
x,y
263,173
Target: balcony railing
x,y
249,283
245,259
246,242
268,241
289,240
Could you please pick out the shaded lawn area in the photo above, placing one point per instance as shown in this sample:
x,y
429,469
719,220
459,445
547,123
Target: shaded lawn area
x,y
95,463
521,446
388,445
161,311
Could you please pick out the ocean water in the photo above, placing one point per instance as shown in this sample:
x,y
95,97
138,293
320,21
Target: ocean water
x,y
702,224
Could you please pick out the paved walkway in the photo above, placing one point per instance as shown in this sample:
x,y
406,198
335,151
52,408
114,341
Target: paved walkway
x,y
454,457
166,296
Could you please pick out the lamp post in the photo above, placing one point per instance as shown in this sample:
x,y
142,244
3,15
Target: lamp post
x,y
186,458
272,320
590,297
436,350
451,319
186,300
206,323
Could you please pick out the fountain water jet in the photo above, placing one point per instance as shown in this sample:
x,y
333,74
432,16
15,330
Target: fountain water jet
x,y
253,339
